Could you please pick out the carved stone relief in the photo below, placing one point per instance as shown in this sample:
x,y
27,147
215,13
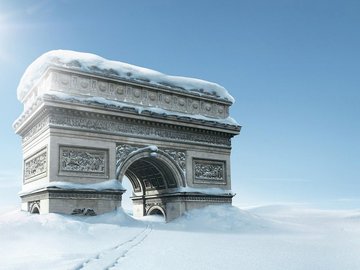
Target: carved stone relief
x,y
83,161
35,129
77,84
209,171
83,212
123,150
35,167
178,156
118,126
88,195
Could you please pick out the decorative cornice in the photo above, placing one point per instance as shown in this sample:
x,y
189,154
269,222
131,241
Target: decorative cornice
x,y
84,85
130,90
29,115
184,197
51,193
94,122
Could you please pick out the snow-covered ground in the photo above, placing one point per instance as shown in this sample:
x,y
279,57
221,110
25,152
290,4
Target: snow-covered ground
x,y
268,237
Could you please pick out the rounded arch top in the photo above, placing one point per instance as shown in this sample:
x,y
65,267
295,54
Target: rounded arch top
x,y
155,158
156,210
34,207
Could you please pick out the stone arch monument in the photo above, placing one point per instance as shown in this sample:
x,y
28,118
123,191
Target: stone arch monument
x,y
88,122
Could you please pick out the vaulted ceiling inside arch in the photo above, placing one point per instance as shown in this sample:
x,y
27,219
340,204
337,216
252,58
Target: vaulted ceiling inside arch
x,y
152,173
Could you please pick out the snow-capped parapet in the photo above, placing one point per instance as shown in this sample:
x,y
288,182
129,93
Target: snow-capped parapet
x,y
67,77
94,64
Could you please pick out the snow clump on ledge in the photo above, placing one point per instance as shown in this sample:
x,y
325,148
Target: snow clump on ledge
x,y
91,63
112,184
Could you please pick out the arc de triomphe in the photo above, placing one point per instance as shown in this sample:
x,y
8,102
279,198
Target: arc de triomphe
x,y
88,122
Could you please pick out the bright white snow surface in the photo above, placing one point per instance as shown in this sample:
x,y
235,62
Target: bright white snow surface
x,y
263,238
92,63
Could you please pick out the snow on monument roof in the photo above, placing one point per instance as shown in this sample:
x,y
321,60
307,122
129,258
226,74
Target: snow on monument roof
x,y
92,63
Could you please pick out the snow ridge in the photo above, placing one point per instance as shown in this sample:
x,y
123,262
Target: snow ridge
x,y
91,63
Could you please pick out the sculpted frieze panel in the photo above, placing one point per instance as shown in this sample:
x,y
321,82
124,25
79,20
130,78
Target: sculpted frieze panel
x,y
83,161
35,167
136,129
209,171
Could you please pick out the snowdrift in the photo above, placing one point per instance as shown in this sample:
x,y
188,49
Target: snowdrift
x,y
224,218
216,237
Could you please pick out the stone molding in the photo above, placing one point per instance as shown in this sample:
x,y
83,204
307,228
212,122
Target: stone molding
x,y
28,111
71,194
41,100
158,204
178,156
80,84
96,122
213,199
36,129
129,127
84,195
162,199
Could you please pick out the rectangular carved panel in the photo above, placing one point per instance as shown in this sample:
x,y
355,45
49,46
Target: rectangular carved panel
x,y
86,162
209,171
35,167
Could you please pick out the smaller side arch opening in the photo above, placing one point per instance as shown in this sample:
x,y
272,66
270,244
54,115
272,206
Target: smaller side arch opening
x,y
35,210
157,212
34,207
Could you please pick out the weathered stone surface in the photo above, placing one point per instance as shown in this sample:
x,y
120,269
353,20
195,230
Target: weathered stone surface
x,y
171,160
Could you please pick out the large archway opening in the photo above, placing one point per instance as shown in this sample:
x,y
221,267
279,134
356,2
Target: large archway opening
x,y
152,176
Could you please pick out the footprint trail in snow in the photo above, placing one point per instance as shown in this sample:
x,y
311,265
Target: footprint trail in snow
x,y
109,259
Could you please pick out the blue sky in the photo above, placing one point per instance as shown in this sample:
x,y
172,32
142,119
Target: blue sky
x,y
293,67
